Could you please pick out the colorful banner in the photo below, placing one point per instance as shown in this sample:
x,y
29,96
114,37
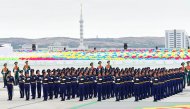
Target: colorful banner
x,y
131,54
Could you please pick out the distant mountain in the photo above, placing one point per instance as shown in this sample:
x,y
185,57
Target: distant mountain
x,y
133,42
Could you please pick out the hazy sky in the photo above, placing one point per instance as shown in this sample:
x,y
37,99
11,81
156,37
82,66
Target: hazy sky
x,y
105,18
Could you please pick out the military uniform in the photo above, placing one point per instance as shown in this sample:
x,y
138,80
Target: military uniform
x,y
45,87
26,69
33,86
16,72
117,88
104,87
27,87
187,69
129,86
109,83
112,86
56,86
86,86
122,88
10,82
149,79
99,87
39,79
63,87
156,88
162,87
21,85
91,82
81,81
68,85
146,85
74,86
51,86
100,69
4,72
183,71
126,86
94,86
108,68
137,88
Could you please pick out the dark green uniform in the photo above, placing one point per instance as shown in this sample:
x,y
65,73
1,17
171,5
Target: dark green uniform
x,y
187,69
4,72
16,74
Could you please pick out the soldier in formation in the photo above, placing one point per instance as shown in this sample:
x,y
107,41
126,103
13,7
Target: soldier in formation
x,y
101,83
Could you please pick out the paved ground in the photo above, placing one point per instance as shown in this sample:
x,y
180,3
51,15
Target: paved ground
x,y
17,103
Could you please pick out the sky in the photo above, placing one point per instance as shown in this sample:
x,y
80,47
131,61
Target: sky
x,y
102,18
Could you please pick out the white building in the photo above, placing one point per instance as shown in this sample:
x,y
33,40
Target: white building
x,y
6,50
28,47
57,47
176,39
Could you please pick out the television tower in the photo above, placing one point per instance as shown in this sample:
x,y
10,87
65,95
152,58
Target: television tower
x,y
81,46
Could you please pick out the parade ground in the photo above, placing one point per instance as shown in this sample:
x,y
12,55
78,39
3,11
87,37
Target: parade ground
x,y
179,101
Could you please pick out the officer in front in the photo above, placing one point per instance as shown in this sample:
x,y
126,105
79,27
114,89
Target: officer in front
x,y
10,83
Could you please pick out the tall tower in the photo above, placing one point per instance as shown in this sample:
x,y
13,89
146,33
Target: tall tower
x,y
81,46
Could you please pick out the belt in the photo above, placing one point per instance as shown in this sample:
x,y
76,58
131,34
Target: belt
x,y
9,83
33,82
162,82
27,83
81,83
104,82
51,82
56,82
45,83
68,82
141,82
99,83
167,80
117,83
62,83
